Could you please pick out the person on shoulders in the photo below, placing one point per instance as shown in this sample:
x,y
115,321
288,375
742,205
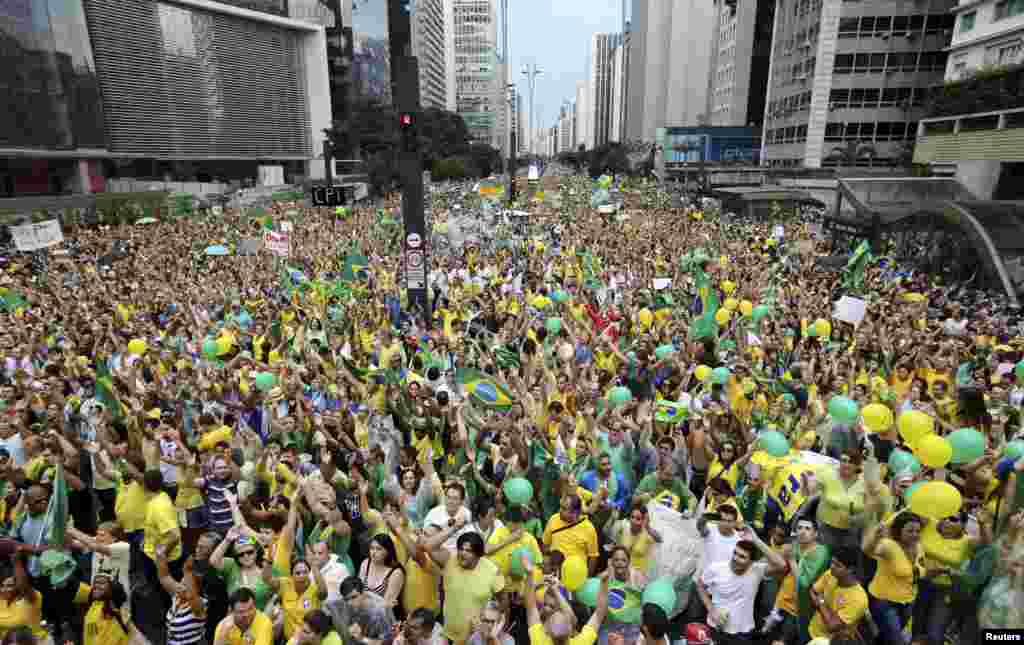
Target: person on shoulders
x,y
556,628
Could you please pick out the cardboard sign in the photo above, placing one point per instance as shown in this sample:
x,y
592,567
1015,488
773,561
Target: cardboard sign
x,y
850,310
32,237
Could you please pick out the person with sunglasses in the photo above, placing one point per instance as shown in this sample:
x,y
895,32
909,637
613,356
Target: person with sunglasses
x,y
245,570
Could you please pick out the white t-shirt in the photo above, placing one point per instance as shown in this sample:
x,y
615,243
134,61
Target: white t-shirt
x,y
118,563
717,547
734,594
439,516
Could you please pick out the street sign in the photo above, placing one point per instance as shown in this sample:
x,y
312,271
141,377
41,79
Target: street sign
x,y
333,195
413,241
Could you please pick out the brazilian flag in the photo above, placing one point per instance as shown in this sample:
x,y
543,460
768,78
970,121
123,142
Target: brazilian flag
x,y
670,412
625,603
853,274
10,301
352,265
483,388
105,390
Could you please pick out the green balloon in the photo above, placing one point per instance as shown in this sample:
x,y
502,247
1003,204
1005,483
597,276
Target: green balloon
x,y
843,410
720,375
968,445
661,593
515,568
265,381
210,348
1018,371
902,461
559,296
587,594
1015,449
620,395
553,325
664,351
774,443
518,491
759,312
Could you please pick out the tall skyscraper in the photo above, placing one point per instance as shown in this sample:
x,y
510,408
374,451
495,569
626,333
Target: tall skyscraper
x,y
740,58
584,116
522,140
602,78
565,128
430,46
848,80
619,58
478,98
669,61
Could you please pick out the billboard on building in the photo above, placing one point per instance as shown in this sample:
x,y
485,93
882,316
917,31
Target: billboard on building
x,y
371,55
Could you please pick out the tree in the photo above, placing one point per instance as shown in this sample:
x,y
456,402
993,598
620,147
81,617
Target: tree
x,y
852,152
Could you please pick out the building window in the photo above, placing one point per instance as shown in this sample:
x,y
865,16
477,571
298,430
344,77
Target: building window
x,y
967,21
1006,54
1008,8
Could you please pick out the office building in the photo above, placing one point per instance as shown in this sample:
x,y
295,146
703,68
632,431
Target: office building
x,y
431,20
190,91
741,53
619,59
584,116
669,62
987,33
848,80
602,80
478,98
522,140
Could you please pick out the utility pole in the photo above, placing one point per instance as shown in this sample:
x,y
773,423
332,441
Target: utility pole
x,y
531,72
405,92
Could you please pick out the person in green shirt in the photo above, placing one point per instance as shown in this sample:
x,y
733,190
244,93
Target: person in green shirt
x,y
663,485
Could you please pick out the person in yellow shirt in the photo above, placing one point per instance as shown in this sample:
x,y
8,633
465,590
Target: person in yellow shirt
x,y
555,626
244,625
104,622
839,601
893,588
569,532
946,547
20,604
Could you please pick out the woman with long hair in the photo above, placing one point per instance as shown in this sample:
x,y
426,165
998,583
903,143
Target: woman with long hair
x,y
893,589
20,604
105,623
381,572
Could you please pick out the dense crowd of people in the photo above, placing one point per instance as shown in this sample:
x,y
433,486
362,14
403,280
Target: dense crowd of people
x,y
638,426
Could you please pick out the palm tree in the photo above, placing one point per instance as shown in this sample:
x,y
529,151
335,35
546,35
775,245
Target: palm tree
x,y
853,151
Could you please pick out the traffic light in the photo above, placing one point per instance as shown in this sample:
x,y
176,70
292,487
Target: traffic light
x,y
407,126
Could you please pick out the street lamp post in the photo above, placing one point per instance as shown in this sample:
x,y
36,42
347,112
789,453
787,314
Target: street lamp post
x,y
513,143
531,72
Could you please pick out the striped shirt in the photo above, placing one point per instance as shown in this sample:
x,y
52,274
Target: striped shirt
x,y
183,627
218,509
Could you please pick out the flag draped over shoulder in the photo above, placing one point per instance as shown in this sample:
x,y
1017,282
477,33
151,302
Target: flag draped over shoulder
x,y
853,274
10,301
483,388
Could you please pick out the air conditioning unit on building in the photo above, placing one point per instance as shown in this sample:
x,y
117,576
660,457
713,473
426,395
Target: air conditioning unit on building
x,y
807,43
886,36
909,35
832,107
802,77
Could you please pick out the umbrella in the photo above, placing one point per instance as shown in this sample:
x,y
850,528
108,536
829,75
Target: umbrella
x,y
146,220
217,249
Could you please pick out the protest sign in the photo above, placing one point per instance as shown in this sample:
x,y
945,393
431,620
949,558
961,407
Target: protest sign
x,y
277,242
32,237
850,310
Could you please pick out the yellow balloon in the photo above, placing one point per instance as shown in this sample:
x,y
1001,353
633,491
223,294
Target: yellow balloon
x,y
823,327
877,417
722,317
574,572
646,317
663,314
746,308
914,424
933,451
936,500
703,373
728,286
724,261
137,346
731,304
